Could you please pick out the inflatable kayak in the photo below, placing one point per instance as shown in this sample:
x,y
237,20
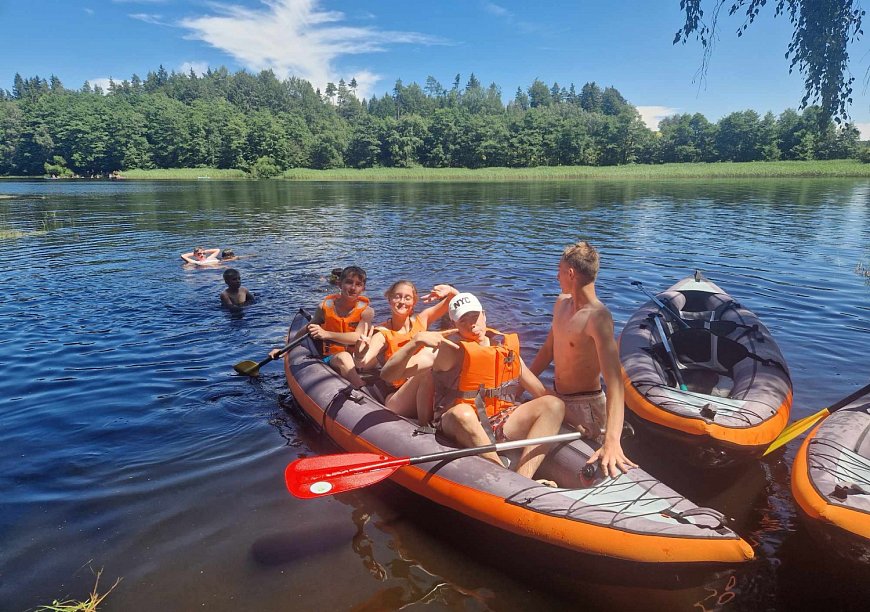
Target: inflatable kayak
x,y
634,517
830,480
702,373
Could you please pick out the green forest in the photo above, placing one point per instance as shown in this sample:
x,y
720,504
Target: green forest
x,y
264,126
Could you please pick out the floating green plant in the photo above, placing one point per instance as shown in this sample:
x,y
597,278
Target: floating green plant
x,y
88,605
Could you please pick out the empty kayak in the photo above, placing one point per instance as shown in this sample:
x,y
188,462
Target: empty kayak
x,y
702,371
830,481
633,518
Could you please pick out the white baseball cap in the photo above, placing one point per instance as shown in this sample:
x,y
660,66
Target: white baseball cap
x,y
462,303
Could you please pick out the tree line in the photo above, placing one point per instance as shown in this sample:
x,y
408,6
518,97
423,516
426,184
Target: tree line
x,y
264,125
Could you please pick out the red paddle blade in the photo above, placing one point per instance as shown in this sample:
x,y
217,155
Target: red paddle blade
x,y
330,474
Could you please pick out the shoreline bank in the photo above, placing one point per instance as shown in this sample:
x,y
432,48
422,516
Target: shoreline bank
x,y
719,170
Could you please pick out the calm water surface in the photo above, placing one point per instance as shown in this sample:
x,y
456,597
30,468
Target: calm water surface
x,y
128,444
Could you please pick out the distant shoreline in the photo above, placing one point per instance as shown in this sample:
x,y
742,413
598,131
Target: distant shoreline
x,y
718,170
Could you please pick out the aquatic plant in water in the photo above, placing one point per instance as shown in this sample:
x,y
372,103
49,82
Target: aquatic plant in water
x,y
88,605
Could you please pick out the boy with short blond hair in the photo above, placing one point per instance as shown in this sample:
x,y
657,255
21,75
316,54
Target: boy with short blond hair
x,y
583,347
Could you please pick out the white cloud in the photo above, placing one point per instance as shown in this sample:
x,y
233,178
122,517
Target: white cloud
x,y
101,82
199,68
864,128
495,9
89,11
151,18
526,27
651,115
295,38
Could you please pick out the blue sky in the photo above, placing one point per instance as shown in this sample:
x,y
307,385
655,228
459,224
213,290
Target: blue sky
x,y
624,43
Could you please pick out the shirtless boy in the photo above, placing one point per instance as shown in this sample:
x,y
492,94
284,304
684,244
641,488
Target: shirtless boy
x,y
235,296
582,345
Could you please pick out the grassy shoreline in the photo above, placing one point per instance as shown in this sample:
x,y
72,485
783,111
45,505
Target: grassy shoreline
x,y
721,170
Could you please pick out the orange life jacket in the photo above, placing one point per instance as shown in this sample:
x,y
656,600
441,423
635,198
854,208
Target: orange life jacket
x,y
333,322
396,340
491,371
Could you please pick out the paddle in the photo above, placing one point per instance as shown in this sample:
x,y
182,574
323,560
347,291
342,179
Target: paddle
x,y
798,427
682,323
249,368
667,344
330,474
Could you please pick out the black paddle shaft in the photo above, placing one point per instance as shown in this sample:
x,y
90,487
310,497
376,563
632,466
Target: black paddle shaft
x,y
662,305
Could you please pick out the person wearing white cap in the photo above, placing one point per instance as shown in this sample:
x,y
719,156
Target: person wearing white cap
x,y
476,375
582,344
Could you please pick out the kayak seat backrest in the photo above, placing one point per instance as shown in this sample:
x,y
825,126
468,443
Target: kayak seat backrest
x,y
692,345
674,299
697,346
697,301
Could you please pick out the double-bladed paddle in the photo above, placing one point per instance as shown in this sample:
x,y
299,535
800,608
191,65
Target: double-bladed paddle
x,y
674,315
312,477
250,368
665,340
798,427
667,344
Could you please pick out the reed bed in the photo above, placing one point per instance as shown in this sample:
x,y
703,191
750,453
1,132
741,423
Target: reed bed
x,y
844,168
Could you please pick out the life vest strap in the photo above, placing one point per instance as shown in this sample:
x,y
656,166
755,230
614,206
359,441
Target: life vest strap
x,y
504,391
480,408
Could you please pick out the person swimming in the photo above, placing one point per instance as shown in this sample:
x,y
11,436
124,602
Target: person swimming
x,y
202,257
235,296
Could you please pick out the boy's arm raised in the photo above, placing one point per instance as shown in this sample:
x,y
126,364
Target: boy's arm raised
x,y
433,313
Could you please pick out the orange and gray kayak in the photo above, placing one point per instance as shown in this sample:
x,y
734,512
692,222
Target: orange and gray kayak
x,y
830,481
632,518
704,375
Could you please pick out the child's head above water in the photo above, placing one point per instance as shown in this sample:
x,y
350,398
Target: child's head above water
x,y
232,276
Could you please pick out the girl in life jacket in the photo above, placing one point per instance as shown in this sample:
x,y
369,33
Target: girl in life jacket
x,y
339,322
396,389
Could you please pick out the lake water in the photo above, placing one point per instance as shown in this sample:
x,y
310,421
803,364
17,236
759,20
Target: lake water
x,y
128,444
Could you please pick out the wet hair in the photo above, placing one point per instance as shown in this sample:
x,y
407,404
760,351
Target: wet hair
x,y
198,249
389,292
583,258
353,271
228,253
231,272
